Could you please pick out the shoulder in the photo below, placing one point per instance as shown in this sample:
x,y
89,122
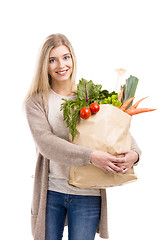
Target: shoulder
x,y
36,101
35,98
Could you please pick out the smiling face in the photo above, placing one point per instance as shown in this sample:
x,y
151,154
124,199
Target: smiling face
x,y
60,64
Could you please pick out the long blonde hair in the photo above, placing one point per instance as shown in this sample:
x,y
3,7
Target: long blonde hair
x,y
42,80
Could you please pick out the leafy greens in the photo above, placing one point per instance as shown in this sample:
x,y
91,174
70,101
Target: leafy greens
x,y
87,92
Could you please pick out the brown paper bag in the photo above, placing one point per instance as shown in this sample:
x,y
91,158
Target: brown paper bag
x,y
107,130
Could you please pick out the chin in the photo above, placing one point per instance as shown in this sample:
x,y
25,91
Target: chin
x,y
63,78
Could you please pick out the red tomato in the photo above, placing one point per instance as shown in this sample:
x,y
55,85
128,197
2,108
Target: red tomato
x,y
94,107
85,112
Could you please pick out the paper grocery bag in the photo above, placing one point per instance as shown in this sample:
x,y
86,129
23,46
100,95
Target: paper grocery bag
x,y
107,130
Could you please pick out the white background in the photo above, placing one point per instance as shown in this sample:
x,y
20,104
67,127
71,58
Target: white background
x,y
105,35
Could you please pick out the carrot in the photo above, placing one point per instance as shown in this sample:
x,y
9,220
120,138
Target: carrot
x,y
133,111
127,102
120,95
137,103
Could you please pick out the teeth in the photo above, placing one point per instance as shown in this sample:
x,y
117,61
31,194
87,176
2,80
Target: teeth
x,y
61,72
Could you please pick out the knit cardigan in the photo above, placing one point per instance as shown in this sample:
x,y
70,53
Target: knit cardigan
x,y
52,148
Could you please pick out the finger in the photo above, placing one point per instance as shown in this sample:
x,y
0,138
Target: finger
x,y
115,168
118,165
122,152
121,165
125,170
119,160
116,159
108,169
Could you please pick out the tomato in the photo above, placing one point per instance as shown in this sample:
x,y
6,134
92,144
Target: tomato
x,y
94,107
85,112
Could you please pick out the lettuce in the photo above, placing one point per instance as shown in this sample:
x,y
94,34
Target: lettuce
x,y
88,91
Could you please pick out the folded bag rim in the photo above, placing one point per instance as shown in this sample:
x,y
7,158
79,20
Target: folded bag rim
x,y
89,176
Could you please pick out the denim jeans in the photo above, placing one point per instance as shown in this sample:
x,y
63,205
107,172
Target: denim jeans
x,y
83,213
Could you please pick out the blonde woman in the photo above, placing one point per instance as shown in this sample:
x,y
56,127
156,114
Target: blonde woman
x,y
54,200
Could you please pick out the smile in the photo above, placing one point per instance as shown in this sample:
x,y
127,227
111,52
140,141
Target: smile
x,y
62,72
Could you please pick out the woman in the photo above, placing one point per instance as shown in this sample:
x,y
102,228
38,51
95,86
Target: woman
x,y
53,197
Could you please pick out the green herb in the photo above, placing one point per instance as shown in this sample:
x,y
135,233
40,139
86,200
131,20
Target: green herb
x,y
105,94
71,109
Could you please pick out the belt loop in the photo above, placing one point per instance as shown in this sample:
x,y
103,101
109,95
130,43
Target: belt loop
x,y
70,199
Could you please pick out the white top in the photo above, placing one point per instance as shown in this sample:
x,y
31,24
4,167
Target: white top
x,y
59,128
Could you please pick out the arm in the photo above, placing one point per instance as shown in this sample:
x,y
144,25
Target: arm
x,y
135,148
48,144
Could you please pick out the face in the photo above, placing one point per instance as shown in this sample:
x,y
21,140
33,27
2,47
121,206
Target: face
x,y
60,63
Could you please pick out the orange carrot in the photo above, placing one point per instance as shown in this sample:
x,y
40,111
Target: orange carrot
x,y
127,102
120,95
137,103
133,111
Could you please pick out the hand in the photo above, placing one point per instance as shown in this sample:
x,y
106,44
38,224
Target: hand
x,y
106,161
130,157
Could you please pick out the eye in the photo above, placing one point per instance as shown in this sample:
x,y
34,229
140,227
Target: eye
x,y
67,57
52,60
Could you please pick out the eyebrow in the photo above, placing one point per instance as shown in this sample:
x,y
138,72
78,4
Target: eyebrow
x,y
63,55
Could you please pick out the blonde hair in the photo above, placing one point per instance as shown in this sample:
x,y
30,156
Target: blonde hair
x,y
42,80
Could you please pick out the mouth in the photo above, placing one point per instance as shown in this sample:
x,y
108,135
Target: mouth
x,y
63,72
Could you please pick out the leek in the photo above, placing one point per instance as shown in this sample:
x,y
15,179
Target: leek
x,y
129,89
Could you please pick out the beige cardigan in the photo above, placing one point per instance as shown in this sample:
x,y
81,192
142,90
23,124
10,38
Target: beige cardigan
x,y
50,147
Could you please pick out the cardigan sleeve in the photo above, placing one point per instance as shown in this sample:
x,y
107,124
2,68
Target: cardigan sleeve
x,y
135,148
49,145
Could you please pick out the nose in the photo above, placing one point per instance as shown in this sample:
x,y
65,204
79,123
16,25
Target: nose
x,y
61,63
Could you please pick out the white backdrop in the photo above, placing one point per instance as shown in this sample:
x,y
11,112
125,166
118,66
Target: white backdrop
x,y
105,35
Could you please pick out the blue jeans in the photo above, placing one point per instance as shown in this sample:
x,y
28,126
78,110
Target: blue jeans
x,y
83,213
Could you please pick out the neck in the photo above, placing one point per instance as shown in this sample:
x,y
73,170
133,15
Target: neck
x,y
62,88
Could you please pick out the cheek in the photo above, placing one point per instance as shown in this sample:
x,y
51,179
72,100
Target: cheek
x,y
50,68
70,63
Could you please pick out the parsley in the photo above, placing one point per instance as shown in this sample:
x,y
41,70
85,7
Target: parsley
x,y
71,109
